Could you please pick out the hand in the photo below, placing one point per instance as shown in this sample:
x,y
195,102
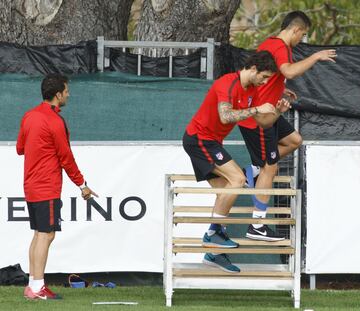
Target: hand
x,y
266,108
326,55
87,192
283,105
290,94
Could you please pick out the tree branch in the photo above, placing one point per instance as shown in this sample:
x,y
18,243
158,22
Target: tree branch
x,y
280,14
330,34
349,26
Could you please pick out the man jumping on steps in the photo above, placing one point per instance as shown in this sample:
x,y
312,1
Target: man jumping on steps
x,y
227,102
276,138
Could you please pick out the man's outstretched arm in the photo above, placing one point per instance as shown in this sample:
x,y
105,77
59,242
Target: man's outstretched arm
x,y
291,71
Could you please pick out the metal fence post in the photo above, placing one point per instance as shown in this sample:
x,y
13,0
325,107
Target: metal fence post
x,y
100,53
297,272
210,59
168,252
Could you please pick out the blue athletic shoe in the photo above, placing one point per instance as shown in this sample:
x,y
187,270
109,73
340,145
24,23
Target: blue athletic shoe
x,y
219,239
221,261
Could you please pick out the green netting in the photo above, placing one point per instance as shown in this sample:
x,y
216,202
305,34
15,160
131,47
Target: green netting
x,y
110,106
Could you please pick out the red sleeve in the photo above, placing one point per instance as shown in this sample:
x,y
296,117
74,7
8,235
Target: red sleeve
x,y
65,155
282,55
222,89
20,143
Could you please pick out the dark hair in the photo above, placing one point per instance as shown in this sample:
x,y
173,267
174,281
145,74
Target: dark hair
x,y
52,84
296,18
263,61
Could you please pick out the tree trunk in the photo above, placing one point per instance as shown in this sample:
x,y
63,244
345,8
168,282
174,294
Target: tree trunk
x,y
186,20
44,22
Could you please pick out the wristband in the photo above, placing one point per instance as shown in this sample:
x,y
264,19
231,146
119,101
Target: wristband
x,y
83,186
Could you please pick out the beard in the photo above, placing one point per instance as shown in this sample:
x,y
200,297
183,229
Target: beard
x,y
62,104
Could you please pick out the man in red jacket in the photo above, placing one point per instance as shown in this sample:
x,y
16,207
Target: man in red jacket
x,y
44,141
275,137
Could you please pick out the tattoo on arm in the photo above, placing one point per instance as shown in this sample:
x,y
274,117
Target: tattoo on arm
x,y
229,115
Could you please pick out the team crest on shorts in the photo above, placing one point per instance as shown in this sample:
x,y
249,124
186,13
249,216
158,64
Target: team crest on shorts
x,y
273,155
219,156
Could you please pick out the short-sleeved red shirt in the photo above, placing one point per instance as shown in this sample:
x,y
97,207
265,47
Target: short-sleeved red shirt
x,y
206,122
272,91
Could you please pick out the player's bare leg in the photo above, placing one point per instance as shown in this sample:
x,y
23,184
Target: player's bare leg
x,y
289,144
231,176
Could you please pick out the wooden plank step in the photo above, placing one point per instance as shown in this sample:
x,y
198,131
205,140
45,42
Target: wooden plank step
x,y
217,272
189,177
239,250
234,210
233,220
247,191
243,242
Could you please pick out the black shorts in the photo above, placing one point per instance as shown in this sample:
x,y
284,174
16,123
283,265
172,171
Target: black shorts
x,y
204,154
45,216
262,144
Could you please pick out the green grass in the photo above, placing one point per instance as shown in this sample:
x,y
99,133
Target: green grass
x,y
152,298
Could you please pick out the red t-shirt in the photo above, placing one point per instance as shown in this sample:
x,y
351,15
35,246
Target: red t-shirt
x,y
44,140
272,91
206,122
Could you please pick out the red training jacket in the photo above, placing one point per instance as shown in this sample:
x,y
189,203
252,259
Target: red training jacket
x,y
44,140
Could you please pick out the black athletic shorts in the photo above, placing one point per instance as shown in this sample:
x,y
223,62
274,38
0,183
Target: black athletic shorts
x,y
262,144
204,154
45,216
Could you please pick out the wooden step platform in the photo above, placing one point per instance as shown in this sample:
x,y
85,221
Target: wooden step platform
x,y
247,270
243,242
218,272
239,250
189,177
233,220
234,210
178,273
247,191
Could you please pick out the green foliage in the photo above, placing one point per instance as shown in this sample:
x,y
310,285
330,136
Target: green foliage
x,y
333,22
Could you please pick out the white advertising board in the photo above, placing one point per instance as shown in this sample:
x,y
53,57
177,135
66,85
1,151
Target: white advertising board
x,y
333,209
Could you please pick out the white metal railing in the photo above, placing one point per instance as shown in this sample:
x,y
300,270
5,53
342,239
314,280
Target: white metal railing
x,y
140,45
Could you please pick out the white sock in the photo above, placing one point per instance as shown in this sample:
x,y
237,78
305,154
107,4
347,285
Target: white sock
x,y
258,214
255,170
215,215
31,279
36,285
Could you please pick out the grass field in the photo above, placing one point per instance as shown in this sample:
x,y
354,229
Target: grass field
x,y
152,298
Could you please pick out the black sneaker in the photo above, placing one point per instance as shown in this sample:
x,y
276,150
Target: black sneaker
x,y
263,233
